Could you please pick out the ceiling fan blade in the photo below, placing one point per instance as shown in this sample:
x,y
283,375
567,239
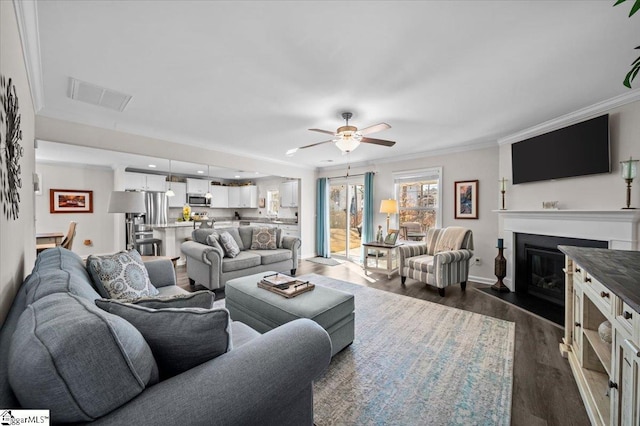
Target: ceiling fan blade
x,y
329,132
315,144
375,128
378,141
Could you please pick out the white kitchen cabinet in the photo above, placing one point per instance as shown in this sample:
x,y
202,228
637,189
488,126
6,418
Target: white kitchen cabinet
x,y
243,196
180,189
197,186
249,196
219,196
234,196
288,193
144,182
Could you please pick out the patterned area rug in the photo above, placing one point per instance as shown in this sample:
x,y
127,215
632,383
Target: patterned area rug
x,y
416,362
325,261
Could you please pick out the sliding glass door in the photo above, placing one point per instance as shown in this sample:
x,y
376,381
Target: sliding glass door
x,y
345,217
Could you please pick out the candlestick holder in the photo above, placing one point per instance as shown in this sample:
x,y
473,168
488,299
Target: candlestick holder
x,y
503,190
500,270
629,171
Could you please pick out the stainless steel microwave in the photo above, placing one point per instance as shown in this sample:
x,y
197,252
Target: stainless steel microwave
x,y
197,200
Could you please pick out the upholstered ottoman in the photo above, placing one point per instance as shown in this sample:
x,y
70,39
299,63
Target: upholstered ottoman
x,y
263,310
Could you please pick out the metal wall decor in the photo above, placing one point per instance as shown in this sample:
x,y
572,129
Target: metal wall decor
x,y
10,149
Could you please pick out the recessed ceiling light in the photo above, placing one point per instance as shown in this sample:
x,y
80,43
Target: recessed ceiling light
x,y
237,176
153,166
200,172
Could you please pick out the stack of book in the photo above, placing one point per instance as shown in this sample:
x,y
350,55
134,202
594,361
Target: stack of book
x,y
285,285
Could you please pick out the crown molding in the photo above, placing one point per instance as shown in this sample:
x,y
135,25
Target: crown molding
x,y
27,17
573,117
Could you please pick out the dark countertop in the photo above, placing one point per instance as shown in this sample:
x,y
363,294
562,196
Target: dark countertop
x,y
618,270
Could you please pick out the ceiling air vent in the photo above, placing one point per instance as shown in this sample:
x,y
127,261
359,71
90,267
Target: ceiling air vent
x,y
96,95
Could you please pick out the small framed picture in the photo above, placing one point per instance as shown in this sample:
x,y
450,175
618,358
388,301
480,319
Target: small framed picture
x,y
391,237
261,202
466,199
70,201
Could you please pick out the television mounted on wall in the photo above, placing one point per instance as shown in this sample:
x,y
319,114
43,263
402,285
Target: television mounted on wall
x,y
578,150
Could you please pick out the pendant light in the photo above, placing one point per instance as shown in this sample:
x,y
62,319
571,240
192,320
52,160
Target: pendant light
x,y
208,194
170,192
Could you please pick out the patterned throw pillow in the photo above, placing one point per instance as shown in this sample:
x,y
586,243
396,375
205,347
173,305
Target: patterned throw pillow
x,y
213,240
121,275
229,244
264,239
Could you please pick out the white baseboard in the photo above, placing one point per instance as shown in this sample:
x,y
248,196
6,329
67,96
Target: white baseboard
x,y
482,280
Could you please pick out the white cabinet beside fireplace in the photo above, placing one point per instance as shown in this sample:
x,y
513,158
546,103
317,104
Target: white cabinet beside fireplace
x,y
607,375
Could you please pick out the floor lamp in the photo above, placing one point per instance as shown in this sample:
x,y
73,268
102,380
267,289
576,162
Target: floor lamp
x,y
130,203
389,207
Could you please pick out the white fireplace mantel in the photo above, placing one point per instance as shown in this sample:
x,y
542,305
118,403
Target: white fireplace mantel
x,y
619,228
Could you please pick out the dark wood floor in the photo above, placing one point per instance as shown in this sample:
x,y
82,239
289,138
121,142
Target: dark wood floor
x,y
544,390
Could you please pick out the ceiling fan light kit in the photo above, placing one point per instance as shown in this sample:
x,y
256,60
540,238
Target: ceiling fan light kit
x,y
347,138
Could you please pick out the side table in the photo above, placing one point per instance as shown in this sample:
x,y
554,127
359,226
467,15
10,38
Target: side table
x,y
382,253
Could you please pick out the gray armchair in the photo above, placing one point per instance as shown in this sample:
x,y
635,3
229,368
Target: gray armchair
x,y
442,260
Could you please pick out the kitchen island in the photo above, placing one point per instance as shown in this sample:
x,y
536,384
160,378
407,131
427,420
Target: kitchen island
x,y
172,235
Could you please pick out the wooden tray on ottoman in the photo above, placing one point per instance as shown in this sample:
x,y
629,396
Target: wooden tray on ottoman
x,y
296,287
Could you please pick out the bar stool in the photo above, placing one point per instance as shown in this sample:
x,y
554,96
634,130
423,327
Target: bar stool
x,y
156,242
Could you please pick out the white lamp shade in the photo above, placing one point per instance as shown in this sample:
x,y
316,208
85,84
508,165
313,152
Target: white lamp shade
x,y
389,206
347,143
126,202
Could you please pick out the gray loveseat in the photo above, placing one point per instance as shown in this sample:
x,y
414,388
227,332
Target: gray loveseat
x,y
207,264
263,379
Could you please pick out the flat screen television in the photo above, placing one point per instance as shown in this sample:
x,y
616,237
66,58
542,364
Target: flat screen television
x,y
577,150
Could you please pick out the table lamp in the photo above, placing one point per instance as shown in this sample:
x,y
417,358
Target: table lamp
x,y
128,202
389,207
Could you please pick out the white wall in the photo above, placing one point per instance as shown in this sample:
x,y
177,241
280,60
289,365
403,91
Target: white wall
x,y
17,237
79,134
97,226
480,164
595,192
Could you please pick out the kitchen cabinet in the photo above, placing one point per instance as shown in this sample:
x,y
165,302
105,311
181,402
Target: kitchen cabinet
x,y
180,189
219,196
144,182
601,285
243,196
197,186
288,193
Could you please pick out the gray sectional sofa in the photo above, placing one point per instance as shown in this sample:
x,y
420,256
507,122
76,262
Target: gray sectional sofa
x,y
97,367
207,264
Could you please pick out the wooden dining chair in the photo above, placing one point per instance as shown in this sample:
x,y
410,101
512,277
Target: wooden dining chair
x,y
67,241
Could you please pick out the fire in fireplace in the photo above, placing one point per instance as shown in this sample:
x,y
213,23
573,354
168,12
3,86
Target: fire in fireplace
x,y
539,265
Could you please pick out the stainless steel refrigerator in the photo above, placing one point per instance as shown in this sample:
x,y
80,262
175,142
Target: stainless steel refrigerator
x,y
157,211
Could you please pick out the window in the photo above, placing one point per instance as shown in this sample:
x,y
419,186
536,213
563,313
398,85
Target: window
x,y
418,194
273,202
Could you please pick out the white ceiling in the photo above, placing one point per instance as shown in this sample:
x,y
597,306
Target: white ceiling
x,y
251,77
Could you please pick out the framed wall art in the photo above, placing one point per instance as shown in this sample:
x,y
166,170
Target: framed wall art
x,y
466,199
70,201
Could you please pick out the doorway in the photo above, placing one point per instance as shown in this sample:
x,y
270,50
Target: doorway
x,y
345,218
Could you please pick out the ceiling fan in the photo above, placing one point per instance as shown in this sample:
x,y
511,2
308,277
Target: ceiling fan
x,y
347,138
